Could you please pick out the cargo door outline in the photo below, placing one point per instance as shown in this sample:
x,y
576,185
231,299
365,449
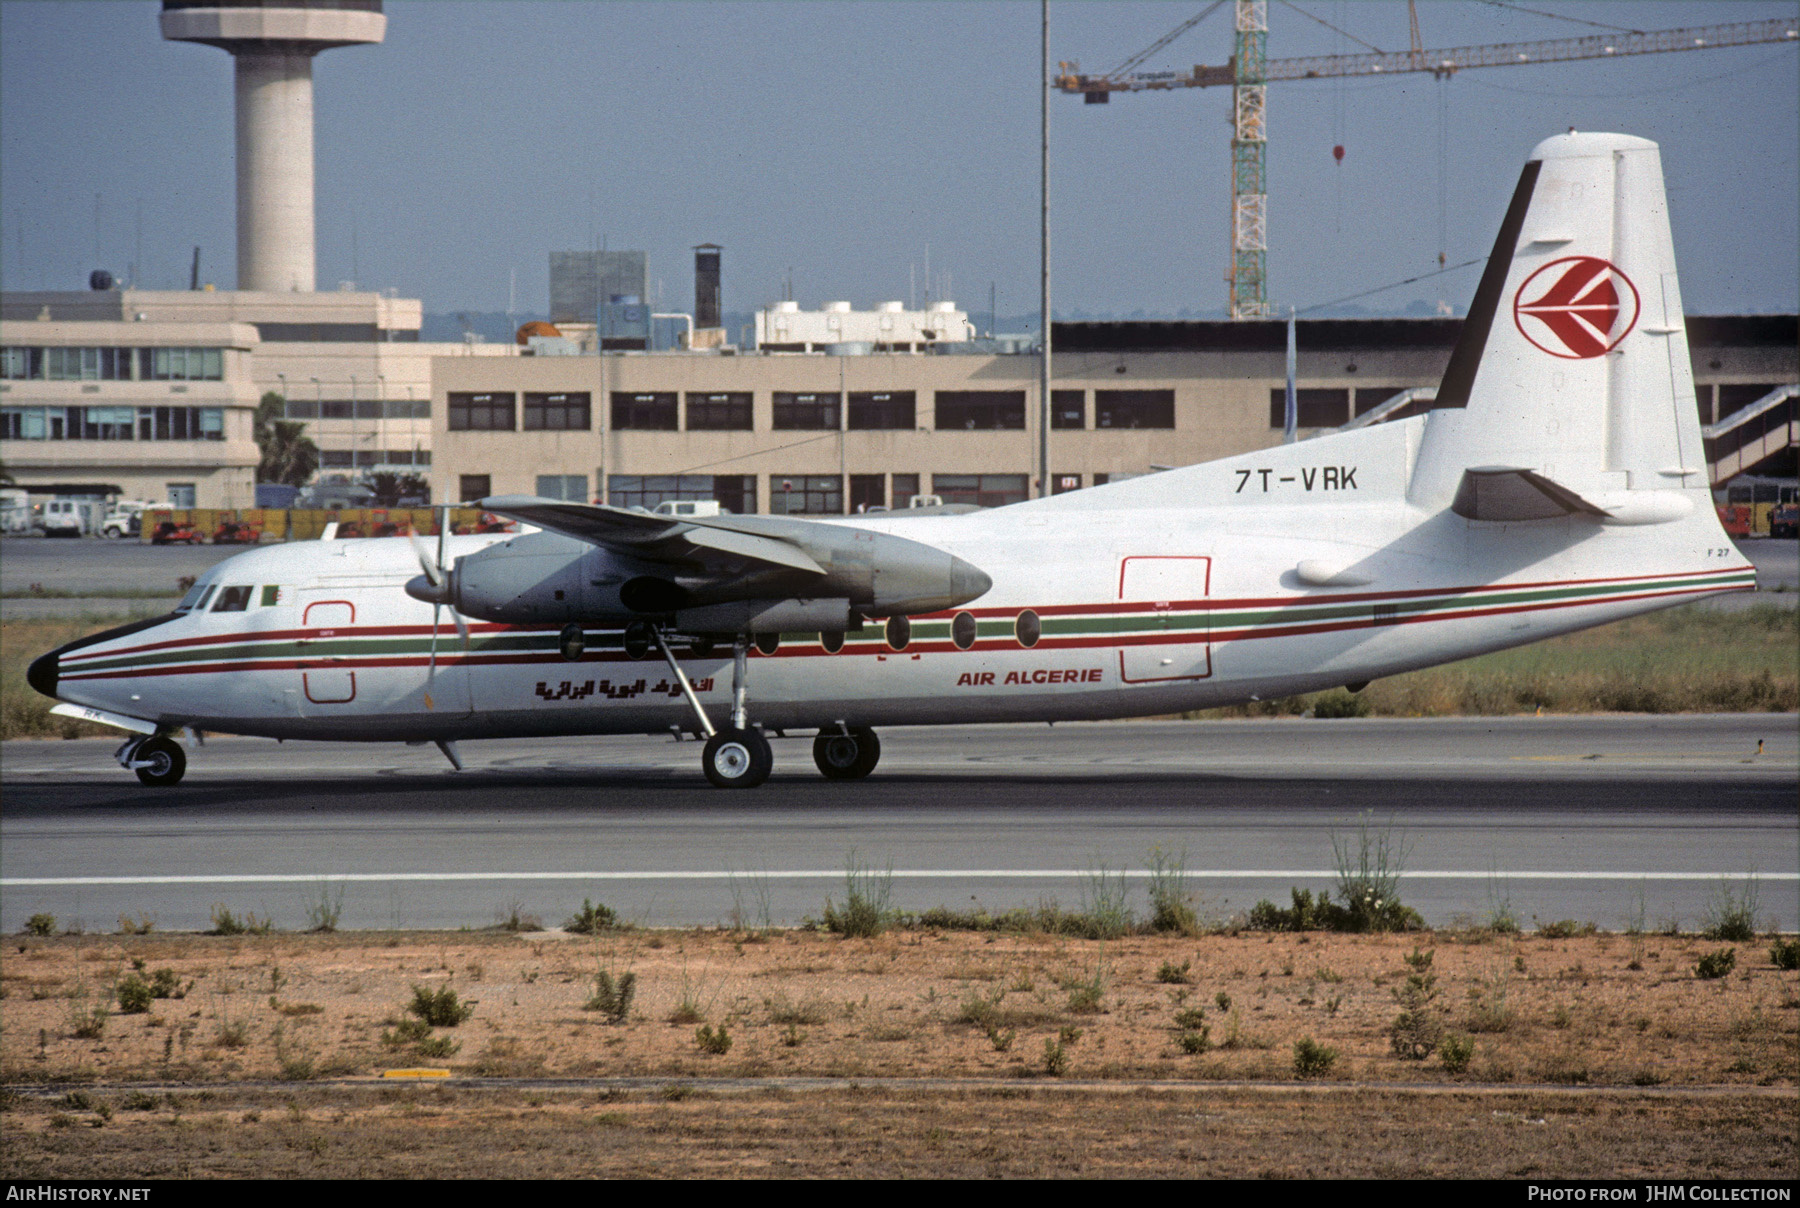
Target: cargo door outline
x,y
1171,591
324,683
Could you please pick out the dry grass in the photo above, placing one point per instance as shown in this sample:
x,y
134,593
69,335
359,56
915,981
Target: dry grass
x,y
1685,660
434,1132
1582,1064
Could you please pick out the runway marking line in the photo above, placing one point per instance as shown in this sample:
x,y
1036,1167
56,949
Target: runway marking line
x,y
898,874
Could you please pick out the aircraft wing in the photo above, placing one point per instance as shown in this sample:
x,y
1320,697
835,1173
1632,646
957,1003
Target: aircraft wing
x,y
650,537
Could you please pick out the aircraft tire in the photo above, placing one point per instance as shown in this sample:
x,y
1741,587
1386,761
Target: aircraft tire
x,y
167,762
737,759
847,756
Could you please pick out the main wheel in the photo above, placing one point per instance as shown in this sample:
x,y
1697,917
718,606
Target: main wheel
x,y
847,756
167,763
737,759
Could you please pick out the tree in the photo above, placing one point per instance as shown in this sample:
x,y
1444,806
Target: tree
x,y
390,488
288,455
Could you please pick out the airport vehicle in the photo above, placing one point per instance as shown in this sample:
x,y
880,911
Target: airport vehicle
x,y
236,532
64,518
125,519
171,532
1558,483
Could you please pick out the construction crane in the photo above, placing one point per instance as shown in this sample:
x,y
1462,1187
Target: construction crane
x,y
1251,70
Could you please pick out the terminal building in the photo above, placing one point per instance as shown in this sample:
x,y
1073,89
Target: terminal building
x,y
349,364
822,434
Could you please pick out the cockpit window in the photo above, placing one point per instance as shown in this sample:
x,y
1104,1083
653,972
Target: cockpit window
x,y
233,599
196,598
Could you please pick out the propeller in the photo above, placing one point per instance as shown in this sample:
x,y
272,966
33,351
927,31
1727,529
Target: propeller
x,y
436,588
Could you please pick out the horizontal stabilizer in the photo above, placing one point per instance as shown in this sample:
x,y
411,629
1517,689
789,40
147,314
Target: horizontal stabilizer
x,y
1506,493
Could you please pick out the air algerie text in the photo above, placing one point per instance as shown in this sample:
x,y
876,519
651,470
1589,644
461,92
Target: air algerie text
x,y
1305,478
1063,675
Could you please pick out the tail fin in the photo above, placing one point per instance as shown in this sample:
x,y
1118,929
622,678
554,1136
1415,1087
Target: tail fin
x,y
1573,362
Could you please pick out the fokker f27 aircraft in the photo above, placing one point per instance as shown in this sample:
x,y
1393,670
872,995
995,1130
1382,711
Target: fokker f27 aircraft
x,y
1559,483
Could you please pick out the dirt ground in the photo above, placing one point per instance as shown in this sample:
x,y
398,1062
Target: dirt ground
x,y
1587,1056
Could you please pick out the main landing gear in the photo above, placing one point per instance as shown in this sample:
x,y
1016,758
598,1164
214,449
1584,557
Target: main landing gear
x,y
847,753
738,757
158,760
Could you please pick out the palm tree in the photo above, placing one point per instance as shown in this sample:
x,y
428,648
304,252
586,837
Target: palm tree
x,y
288,455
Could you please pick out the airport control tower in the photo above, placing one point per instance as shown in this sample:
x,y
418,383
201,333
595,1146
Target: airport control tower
x,y
274,42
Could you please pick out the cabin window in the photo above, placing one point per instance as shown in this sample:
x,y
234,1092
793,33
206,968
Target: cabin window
x,y
233,599
899,633
962,630
196,597
1028,628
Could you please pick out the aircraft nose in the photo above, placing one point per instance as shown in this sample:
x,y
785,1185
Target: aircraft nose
x,y
43,672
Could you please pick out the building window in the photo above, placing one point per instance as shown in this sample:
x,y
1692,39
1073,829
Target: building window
x,y
727,412
181,364
905,487
1316,408
481,412
980,410
113,423
1134,408
733,492
1068,409
867,491
659,412
982,490
1370,397
800,412
1062,483
872,411
571,488
1734,398
557,413
806,495
182,495
474,486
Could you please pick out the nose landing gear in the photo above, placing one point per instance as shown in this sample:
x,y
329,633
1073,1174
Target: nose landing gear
x,y
157,760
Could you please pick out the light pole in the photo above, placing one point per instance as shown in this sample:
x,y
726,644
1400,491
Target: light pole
x,y
380,416
355,460
319,411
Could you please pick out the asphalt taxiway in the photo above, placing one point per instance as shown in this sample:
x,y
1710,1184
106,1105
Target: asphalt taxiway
x,y
1618,820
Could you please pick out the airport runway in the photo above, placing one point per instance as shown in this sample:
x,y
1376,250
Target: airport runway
x,y
1605,819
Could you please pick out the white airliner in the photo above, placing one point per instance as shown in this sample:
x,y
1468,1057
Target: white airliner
x,y
1559,483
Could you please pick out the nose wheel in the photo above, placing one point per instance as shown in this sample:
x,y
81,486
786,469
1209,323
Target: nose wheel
x,y
848,753
158,761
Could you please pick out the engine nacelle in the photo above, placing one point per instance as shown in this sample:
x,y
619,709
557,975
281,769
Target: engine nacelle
x,y
545,577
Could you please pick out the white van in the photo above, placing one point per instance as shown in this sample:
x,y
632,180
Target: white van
x,y
64,518
689,507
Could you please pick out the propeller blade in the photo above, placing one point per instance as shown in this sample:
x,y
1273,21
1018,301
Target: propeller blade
x,y
433,571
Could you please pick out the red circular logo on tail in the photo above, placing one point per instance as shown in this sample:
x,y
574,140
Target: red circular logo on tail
x,y
1576,307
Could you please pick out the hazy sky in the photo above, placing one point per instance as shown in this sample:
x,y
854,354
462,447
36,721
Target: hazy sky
x,y
842,140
